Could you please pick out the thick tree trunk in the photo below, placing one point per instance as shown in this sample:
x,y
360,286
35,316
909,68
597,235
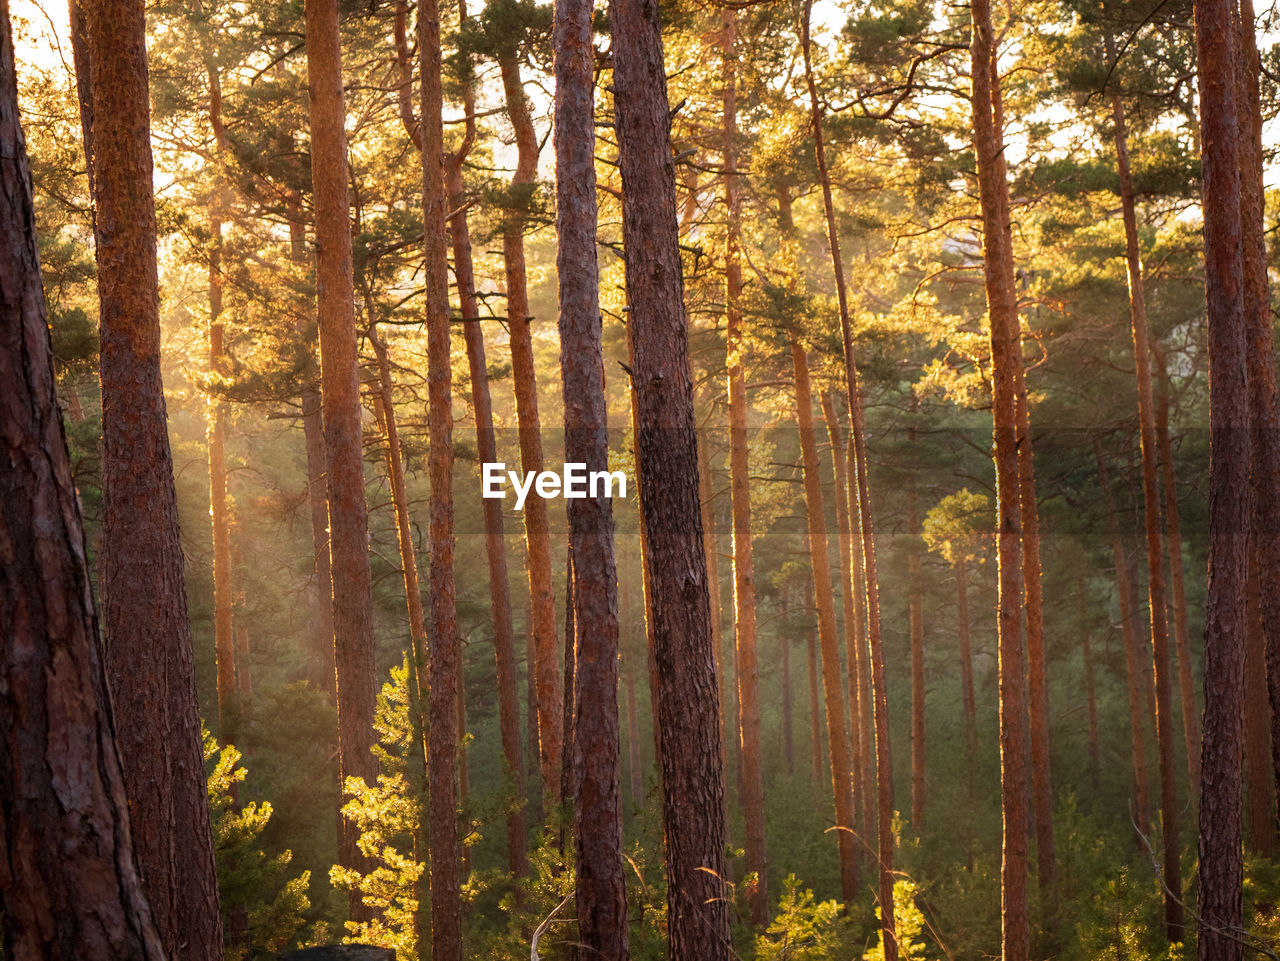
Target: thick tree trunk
x,y
1155,543
445,666
1006,362
69,886
744,589
597,793
340,390
1173,528
1260,798
1134,674
832,682
667,448
880,712
1263,417
1221,868
536,527
145,608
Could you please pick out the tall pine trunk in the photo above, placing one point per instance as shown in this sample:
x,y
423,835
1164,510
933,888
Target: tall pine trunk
x,y
1221,869
144,603
597,792
1155,543
536,527
832,682
1006,361
744,586
444,663
69,885
667,449
340,392
880,703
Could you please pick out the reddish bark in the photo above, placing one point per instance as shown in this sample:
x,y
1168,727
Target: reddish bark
x,y
1006,363
832,683
1155,544
340,393
536,525
145,610
880,705
445,666
667,449
744,590
1260,799
1221,868
862,654
597,793
1134,673
69,886
1173,528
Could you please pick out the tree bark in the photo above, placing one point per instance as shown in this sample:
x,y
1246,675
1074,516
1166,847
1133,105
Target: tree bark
x,y
145,609
487,451
445,666
853,611
1260,798
1134,673
832,682
537,531
1173,529
815,692
880,705
1006,362
69,884
597,793
744,589
1263,416
1155,544
693,807
862,655
1221,868
340,392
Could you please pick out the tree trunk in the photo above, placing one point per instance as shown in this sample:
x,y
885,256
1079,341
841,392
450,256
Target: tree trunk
x,y
1173,528
915,618
667,447
324,668
537,532
1263,417
597,793
1260,798
340,391
1155,544
853,609
862,667
880,712
1132,658
1090,690
487,451
815,692
445,665
1221,869
216,416
832,682
744,590
1006,362
69,886
145,608
723,679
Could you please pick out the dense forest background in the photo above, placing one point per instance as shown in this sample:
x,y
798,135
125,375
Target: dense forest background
x,y
889,85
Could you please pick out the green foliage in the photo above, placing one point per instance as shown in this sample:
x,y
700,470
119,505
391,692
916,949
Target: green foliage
x,y
908,924
804,929
262,906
